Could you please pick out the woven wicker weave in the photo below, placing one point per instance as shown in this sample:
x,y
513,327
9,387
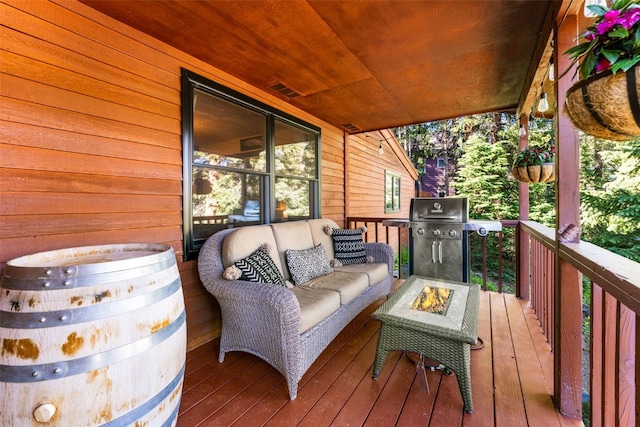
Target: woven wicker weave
x,y
264,319
451,347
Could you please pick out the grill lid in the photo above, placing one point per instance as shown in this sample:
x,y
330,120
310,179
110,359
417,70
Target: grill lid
x,y
441,209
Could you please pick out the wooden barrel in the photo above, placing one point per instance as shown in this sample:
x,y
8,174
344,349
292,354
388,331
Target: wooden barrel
x,y
92,336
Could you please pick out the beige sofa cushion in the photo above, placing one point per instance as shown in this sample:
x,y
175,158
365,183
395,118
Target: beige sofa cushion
x,y
315,305
291,235
317,227
375,271
245,240
348,285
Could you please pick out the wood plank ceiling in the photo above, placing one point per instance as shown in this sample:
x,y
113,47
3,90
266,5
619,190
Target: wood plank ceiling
x,y
360,65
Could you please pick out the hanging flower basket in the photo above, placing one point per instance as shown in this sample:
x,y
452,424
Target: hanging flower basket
x,y
606,105
543,173
534,165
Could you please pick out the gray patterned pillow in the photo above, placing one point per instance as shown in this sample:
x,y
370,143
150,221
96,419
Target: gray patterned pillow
x,y
259,267
307,264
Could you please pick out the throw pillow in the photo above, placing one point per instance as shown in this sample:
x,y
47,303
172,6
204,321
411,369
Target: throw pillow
x,y
348,245
259,267
307,264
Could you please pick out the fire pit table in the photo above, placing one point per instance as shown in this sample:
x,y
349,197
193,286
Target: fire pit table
x,y
436,319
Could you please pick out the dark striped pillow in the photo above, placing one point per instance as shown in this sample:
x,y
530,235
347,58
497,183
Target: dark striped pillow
x,y
348,246
259,267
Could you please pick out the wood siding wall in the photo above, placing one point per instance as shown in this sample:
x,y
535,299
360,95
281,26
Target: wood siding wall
x,y
91,145
365,175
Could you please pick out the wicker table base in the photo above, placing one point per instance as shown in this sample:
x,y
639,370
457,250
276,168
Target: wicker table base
x,y
446,338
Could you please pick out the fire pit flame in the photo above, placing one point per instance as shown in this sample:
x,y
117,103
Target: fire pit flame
x,y
432,300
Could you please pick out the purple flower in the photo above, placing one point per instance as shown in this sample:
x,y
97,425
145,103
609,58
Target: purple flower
x,y
629,18
609,21
589,35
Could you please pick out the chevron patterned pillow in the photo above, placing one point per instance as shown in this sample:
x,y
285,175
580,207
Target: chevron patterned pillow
x,y
259,267
348,245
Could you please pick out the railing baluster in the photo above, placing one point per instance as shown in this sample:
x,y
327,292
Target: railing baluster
x,y
484,263
500,249
626,398
610,316
596,350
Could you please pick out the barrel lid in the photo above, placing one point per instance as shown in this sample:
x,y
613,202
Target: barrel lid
x,y
87,260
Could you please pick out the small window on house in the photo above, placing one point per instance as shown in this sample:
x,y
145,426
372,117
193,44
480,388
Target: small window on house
x,y
244,162
440,163
391,192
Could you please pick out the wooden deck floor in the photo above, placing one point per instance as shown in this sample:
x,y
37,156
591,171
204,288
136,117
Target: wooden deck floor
x,y
511,379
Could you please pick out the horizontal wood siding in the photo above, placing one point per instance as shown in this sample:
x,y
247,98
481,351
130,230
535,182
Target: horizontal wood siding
x,y
91,148
366,176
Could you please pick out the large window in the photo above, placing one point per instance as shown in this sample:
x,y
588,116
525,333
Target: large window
x,y
244,162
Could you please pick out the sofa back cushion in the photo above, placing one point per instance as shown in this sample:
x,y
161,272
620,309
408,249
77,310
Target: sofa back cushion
x,y
245,240
320,236
291,235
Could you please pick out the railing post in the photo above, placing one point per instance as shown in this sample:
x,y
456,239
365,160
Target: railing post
x,y
567,287
522,238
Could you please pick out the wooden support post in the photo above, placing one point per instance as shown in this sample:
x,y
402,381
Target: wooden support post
x,y
523,283
568,280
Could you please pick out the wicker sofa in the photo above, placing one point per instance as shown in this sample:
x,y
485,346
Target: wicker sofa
x,y
289,327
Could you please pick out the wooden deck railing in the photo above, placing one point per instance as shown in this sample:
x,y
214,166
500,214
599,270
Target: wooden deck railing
x,y
398,237
612,319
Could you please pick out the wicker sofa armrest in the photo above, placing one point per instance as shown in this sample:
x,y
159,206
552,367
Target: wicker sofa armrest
x,y
259,318
381,252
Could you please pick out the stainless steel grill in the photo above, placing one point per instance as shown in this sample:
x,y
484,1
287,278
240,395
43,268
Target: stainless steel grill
x,y
439,243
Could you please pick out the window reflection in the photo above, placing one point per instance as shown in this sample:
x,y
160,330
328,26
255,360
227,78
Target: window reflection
x,y
295,153
293,199
391,192
221,198
244,162
228,135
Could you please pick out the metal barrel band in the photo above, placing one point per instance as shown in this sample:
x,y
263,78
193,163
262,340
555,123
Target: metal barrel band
x,y
164,253
51,284
50,371
35,320
131,417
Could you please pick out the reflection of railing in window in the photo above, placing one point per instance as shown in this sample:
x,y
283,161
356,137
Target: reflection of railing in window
x,y
212,219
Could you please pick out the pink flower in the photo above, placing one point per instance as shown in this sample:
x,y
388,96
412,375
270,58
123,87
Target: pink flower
x,y
589,36
609,21
602,65
629,18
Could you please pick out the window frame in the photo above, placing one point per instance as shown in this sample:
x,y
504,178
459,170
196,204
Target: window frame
x,y
396,184
191,81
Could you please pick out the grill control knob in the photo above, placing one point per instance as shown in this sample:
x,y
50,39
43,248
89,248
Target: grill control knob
x,y
436,232
452,233
420,231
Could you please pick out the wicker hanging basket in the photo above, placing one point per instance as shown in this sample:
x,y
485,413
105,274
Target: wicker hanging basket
x,y
543,173
606,105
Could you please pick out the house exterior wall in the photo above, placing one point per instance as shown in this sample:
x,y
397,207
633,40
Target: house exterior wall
x,y
91,148
433,179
